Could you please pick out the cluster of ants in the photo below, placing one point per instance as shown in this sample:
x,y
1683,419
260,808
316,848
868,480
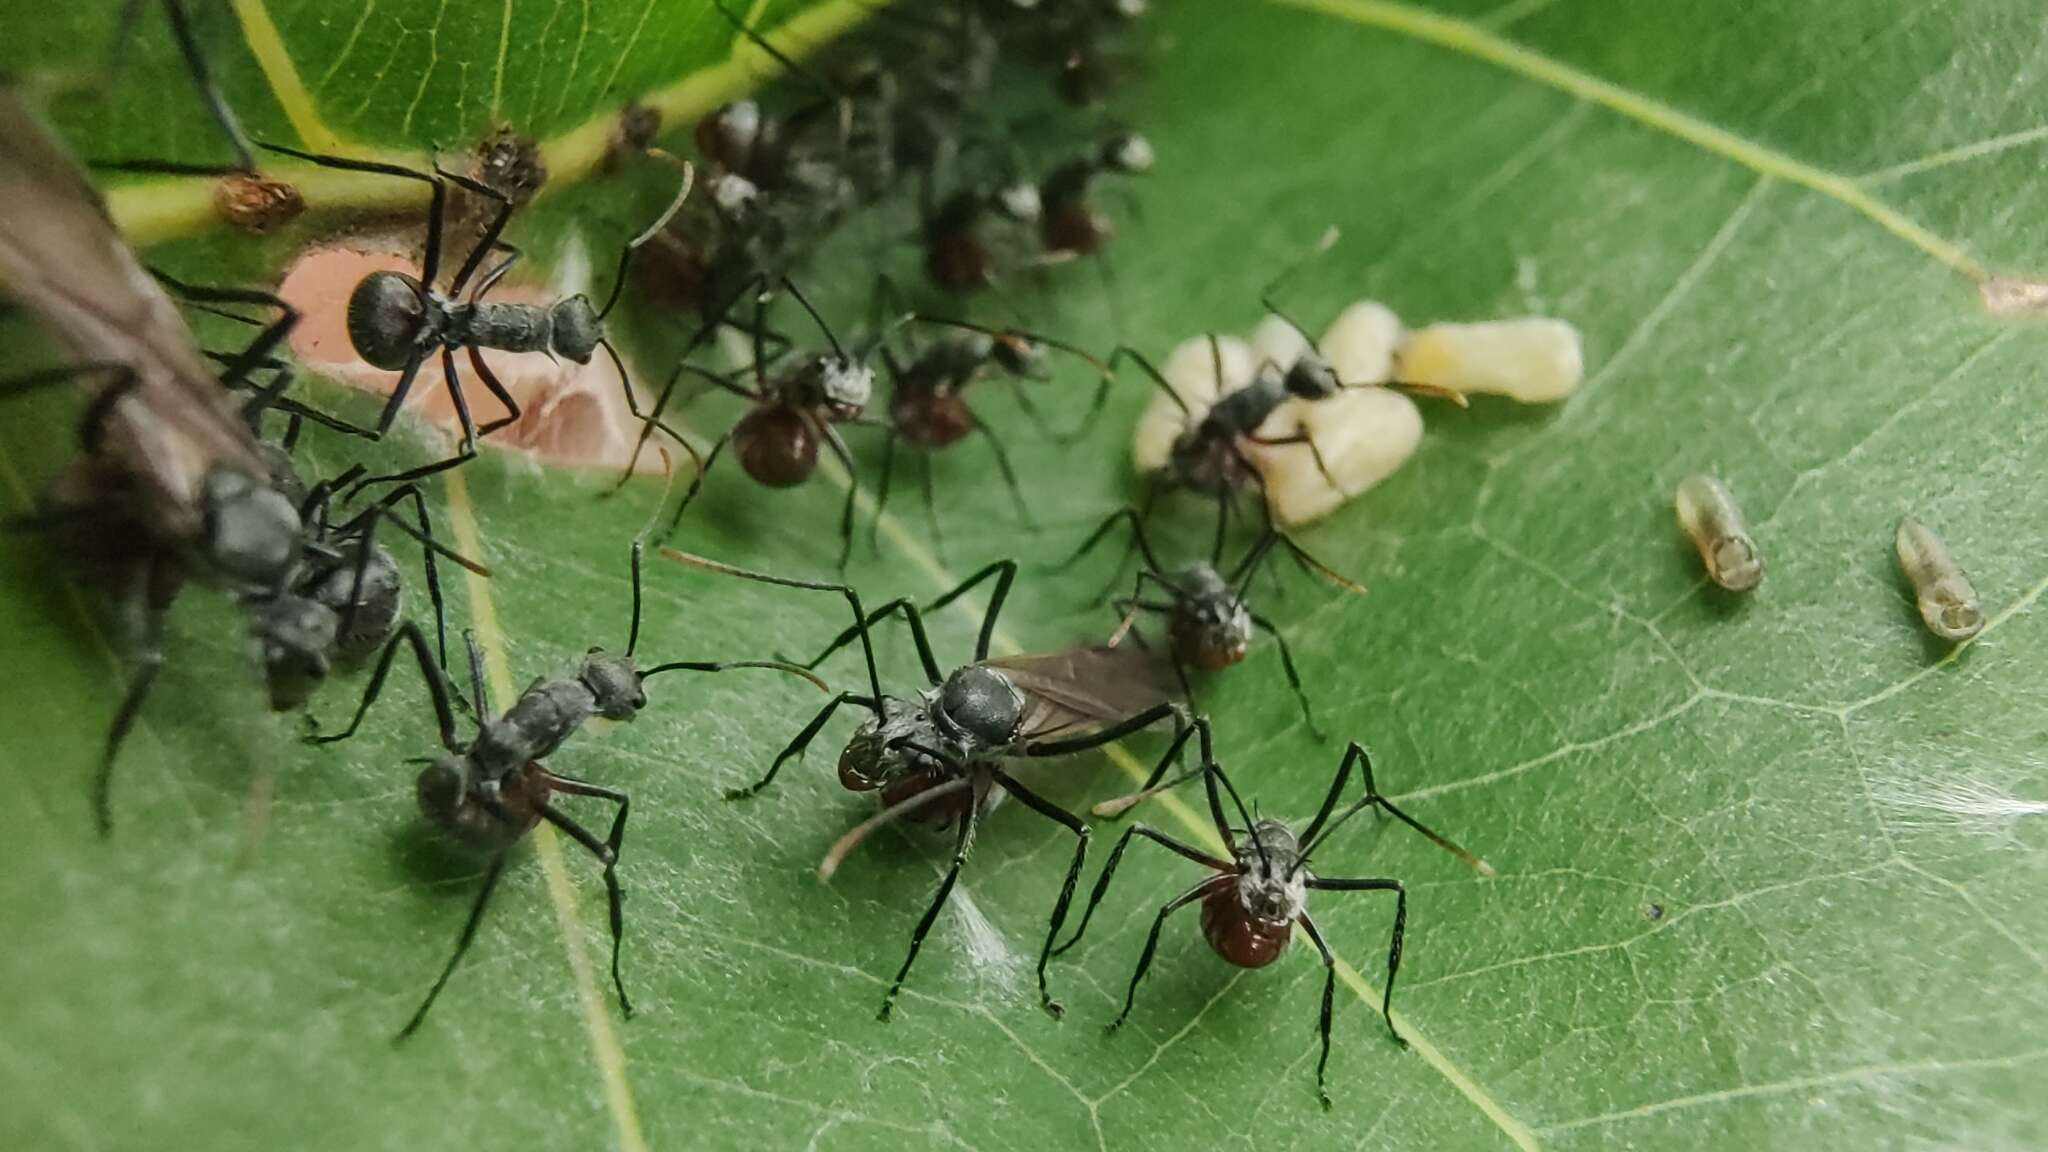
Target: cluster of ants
x,y
178,477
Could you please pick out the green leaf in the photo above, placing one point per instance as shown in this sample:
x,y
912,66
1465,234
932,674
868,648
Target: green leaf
x,y
1769,869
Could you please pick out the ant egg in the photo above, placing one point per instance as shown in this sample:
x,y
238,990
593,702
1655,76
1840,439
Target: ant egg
x,y
1190,369
1707,512
1947,602
1532,360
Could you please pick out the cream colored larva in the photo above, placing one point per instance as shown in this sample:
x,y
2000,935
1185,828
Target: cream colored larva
x,y
1534,360
1708,513
1362,435
1948,604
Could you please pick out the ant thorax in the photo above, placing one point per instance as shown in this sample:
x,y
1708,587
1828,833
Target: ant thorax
x,y
976,713
547,713
1272,885
1311,377
878,752
837,384
1210,626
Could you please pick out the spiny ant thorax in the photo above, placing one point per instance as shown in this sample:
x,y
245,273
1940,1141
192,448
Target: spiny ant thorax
x,y
1272,886
840,385
976,712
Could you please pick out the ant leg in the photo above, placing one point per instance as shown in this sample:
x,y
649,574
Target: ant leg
x,y
607,853
1115,732
149,659
437,203
462,943
1116,856
1071,823
258,352
513,255
1356,754
1005,571
882,490
647,420
497,389
1308,926
852,599
1327,884
479,688
911,616
1124,352
837,445
202,78
409,634
696,482
465,451
964,844
796,747
1308,714
1009,472
1200,891
1152,786
646,234
482,248
931,505
1314,450
1143,544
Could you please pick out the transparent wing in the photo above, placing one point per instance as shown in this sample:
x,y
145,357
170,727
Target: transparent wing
x,y
1079,690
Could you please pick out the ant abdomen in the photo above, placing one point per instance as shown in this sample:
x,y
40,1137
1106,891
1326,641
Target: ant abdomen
x,y
1237,935
958,261
448,803
931,419
940,813
1207,644
776,446
385,314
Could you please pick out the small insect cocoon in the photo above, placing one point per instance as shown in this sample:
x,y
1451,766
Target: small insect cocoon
x,y
1948,604
1532,360
1190,370
2006,297
572,415
257,204
1707,512
1360,343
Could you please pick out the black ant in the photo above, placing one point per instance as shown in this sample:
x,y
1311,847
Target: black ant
x,y
1070,226
943,750
1208,623
795,406
956,257
1255,899
172,481
928,396
490,791
397,321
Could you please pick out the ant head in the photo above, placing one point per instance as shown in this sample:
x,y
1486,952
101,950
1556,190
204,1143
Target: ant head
x,y
875,755
1311,377
1019,355
614,683
981,704
293,636
1128,153
1211,627
578,328
845,384
1019,202
385,315
253,532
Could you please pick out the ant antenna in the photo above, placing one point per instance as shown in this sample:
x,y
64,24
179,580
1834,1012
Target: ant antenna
x,y
1324,244
633,631
1214,772
652,230
837,349
1374,799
